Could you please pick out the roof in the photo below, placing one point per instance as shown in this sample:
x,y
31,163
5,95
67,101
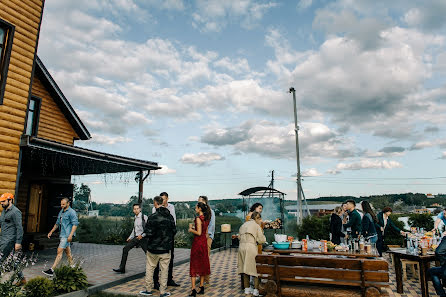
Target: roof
x,y
253,190
56,159
61,100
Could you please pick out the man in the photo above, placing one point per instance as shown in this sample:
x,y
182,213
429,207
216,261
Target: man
x,y
67,222
11,230
211,230
354,219
159,236
135,237
170,281
438,273
441,217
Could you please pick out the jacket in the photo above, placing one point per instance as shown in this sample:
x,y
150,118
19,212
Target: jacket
x,y
160,231
354,222
336,229
440,252
11,226
390,224
368,226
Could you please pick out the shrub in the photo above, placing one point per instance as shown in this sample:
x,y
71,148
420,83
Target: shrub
x,y
9,273
183,239
315,227
68,279
422,220
104,231
39,287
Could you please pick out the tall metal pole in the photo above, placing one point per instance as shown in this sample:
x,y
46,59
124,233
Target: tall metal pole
x,y
299,189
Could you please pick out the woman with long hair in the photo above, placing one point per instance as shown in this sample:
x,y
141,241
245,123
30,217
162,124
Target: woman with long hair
x,y
369,222
336,225
256,207
199,257
251,234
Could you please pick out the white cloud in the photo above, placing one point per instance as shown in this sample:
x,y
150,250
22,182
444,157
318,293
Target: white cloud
x,y
311,172
369,164
304,4
105,139
214,15
201,159
165,170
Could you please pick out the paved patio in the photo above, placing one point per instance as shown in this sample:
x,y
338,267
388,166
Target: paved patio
x,y
225,282
98,261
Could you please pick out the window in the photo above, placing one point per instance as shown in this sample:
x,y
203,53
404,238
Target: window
x,y
32,118
6,34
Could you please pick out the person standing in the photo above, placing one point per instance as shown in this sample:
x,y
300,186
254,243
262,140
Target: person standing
x,y
354,219
199,258
385,223
11,230
441,217
336,225
251,234
211,231
135,237
369,222
159,232
256,207
67,223
170,281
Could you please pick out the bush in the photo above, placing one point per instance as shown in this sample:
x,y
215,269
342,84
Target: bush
x,y
39,287
423,220
104,231
315,227
68,279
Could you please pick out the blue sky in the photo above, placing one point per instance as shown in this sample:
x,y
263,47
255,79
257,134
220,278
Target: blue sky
x,y
201,88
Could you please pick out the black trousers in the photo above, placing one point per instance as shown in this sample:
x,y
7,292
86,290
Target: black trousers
x,y
125,251
157,269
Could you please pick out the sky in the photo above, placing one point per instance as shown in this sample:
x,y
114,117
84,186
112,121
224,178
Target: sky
x,y
202,88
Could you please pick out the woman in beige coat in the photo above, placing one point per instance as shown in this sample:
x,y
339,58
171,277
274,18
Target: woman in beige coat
x,y
251,234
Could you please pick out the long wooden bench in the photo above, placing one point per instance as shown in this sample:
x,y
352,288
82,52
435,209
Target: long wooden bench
x,y
301,275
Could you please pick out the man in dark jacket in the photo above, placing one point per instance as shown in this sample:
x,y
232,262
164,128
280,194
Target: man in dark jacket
x,y
438,273
354,219
159,234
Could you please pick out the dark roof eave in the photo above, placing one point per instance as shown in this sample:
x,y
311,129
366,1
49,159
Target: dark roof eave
x,y
252,190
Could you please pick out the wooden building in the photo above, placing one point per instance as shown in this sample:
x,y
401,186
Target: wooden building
x,y
38,126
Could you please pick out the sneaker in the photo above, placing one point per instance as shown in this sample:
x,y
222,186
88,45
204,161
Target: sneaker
x,y
49,272
146,293
248,291
165,294
255,292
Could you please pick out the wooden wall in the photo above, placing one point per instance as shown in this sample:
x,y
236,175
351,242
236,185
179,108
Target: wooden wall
x,y
53,125
25,15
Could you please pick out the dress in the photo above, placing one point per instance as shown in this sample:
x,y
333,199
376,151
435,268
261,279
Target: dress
x,y
199,257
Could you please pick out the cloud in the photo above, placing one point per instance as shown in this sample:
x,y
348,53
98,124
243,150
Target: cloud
x,y
441,142
164,170
214,15
311,172
333,172
392,149
304,4
369,164
428,16
431,129
201,159
105,139
278,141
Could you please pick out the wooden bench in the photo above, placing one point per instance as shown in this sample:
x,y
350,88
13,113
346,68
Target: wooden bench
x,y
300,275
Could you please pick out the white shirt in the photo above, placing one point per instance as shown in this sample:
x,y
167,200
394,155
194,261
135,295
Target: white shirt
x,y
138,227
171,209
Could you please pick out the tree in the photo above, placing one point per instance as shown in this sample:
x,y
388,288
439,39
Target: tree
x,y
82,193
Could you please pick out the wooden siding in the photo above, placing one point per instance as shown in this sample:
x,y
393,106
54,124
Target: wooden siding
x,y
25,15
53,125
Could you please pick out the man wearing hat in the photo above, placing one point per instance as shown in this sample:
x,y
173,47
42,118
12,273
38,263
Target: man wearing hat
x,y
11,229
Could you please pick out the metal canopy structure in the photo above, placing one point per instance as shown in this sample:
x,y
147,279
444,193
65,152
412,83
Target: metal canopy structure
x,y
264,192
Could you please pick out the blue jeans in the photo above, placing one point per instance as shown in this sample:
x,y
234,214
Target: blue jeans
x,y
437,273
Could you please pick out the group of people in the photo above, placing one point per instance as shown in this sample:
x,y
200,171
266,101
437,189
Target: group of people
x,y
12,232
347,221
155,235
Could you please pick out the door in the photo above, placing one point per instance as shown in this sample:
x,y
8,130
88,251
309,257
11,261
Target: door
x,y
34,208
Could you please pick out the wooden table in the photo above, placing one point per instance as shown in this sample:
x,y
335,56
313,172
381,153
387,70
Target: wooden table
x,y
424,264
271,249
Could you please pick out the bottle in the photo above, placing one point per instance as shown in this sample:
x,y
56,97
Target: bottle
x,y
407,244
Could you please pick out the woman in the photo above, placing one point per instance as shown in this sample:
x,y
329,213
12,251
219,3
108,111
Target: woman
x,y
251,234
199,258
256,207
369,223
384,225
336,225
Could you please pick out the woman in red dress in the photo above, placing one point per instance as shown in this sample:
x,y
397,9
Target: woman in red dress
x,y
199,259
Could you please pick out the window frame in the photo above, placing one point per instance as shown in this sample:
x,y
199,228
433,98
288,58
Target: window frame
x,y
5,55
36,114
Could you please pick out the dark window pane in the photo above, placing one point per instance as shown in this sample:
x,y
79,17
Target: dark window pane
x,y
29,124
2,35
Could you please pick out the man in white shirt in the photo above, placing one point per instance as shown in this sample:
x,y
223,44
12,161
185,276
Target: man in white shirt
x,y
135,237
170,281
